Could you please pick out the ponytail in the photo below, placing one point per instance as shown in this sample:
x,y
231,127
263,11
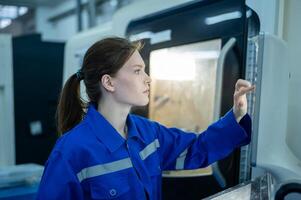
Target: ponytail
x,y
70,107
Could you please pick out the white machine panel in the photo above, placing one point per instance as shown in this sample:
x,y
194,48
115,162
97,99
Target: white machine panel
x,y
7,133
273,153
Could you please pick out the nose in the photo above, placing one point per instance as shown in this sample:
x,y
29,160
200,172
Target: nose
x,y
148,79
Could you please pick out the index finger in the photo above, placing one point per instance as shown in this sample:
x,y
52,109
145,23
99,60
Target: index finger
x,y
245,90
242,83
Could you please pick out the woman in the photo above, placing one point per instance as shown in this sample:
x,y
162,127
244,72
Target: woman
x,y
107,153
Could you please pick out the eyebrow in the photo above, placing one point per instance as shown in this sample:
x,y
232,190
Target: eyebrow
x,y
141,66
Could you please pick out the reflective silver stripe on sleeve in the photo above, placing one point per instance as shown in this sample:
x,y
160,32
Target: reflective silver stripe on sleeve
x,y
181,160
149,149
102,169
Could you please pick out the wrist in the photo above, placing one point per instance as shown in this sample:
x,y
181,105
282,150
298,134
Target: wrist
x,y
238,115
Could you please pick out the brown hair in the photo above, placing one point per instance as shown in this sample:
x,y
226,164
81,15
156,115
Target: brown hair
x,y
106,56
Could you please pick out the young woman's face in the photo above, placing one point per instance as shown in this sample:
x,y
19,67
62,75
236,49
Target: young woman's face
x,y
131,83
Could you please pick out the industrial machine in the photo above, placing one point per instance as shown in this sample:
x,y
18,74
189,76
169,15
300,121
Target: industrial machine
x,y
218,42
30,81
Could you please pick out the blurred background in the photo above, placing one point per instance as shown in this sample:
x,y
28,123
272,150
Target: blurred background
x,y
194,51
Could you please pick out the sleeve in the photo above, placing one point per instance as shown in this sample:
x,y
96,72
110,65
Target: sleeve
x,y
183,150
59,181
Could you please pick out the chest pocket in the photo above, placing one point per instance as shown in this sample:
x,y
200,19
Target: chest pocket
x,y
110,186
151,158
109,192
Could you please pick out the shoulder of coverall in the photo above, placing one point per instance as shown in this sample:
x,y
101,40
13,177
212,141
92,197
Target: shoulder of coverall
x,y
74,141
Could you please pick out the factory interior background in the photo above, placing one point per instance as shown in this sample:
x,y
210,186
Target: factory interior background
x,y
194,52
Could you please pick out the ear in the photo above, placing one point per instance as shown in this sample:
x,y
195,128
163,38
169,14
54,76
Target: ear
x,y
107,83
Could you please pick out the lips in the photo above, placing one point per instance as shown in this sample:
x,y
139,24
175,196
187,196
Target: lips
x,y
146,91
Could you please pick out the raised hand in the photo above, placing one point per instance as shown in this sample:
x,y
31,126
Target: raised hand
x,y
240,105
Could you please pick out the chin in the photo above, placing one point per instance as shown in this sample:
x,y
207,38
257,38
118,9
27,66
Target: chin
x,y
141,103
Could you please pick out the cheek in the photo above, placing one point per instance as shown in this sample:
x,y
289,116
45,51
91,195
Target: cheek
x,y
126,86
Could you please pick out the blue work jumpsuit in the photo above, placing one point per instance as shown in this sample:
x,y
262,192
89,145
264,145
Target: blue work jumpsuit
x,y
93,161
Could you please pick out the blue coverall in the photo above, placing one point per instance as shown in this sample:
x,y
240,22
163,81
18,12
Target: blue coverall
x,y
93,161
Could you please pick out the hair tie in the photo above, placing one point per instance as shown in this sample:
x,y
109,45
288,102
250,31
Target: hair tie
x,y
79,75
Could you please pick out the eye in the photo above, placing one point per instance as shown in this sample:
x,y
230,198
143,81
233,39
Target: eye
x,y
137,71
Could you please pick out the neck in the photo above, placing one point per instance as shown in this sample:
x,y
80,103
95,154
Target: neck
x,y
115,113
